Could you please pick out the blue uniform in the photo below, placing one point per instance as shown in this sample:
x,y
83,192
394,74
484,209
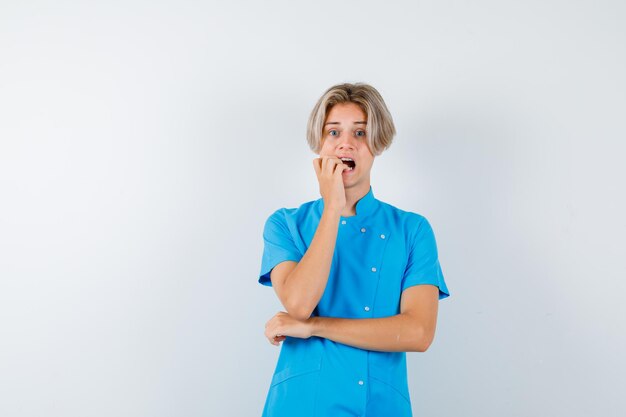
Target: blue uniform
x,y
380,252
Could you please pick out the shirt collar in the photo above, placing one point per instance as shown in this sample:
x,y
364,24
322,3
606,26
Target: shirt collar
x,y
367,204
364,207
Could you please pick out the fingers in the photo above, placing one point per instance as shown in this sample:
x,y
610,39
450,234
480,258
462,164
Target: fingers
x,y
328,165
317,164
332,165
271,335
340,168
272,329
275,339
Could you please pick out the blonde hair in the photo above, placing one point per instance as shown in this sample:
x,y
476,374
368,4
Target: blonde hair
x,y
380,128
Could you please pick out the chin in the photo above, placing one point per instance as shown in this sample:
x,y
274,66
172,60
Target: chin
x,y
349,183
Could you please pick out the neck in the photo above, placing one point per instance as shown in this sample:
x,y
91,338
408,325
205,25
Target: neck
x,y
353,195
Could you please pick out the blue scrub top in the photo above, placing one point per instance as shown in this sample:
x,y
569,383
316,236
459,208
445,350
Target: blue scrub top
x,y
380,252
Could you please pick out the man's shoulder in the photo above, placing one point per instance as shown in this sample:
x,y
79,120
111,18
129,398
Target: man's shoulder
x,y
405,222
295,213
401,214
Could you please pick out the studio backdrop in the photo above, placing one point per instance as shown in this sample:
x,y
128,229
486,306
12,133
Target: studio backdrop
x,y
143,145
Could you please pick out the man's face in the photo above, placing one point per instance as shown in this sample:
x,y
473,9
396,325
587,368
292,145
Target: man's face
x,y
344,135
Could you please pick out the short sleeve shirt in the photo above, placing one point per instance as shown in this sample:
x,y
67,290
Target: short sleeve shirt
x,y
380,252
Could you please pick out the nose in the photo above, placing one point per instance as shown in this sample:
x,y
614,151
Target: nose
x,y
346,142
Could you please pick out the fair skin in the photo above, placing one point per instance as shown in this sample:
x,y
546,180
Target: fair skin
x,y
300,285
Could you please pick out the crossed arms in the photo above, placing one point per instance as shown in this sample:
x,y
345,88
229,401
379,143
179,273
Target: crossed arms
x,y
300,286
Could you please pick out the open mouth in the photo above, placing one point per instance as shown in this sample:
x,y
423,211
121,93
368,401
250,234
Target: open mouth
x,y
350,162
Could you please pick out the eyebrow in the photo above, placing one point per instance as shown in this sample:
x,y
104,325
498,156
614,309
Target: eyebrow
x,y
336,123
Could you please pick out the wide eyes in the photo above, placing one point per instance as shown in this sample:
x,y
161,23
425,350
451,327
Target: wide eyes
x,y
335,132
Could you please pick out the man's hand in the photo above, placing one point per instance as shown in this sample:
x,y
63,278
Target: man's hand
x,y
282,325
329,171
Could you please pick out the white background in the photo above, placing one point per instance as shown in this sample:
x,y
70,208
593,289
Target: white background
x,y
144,143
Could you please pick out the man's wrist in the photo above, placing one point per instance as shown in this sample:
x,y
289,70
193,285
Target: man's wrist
x,y
316,324
333,213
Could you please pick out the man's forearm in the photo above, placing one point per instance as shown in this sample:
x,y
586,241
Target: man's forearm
x,y
305,285
399,333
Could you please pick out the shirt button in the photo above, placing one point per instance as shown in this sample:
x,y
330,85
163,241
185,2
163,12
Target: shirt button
x,y
382,236
373,269
343,222
366,308
361,382
363,230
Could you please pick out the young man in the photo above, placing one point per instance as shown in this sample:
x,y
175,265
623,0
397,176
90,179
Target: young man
x,y
360,279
